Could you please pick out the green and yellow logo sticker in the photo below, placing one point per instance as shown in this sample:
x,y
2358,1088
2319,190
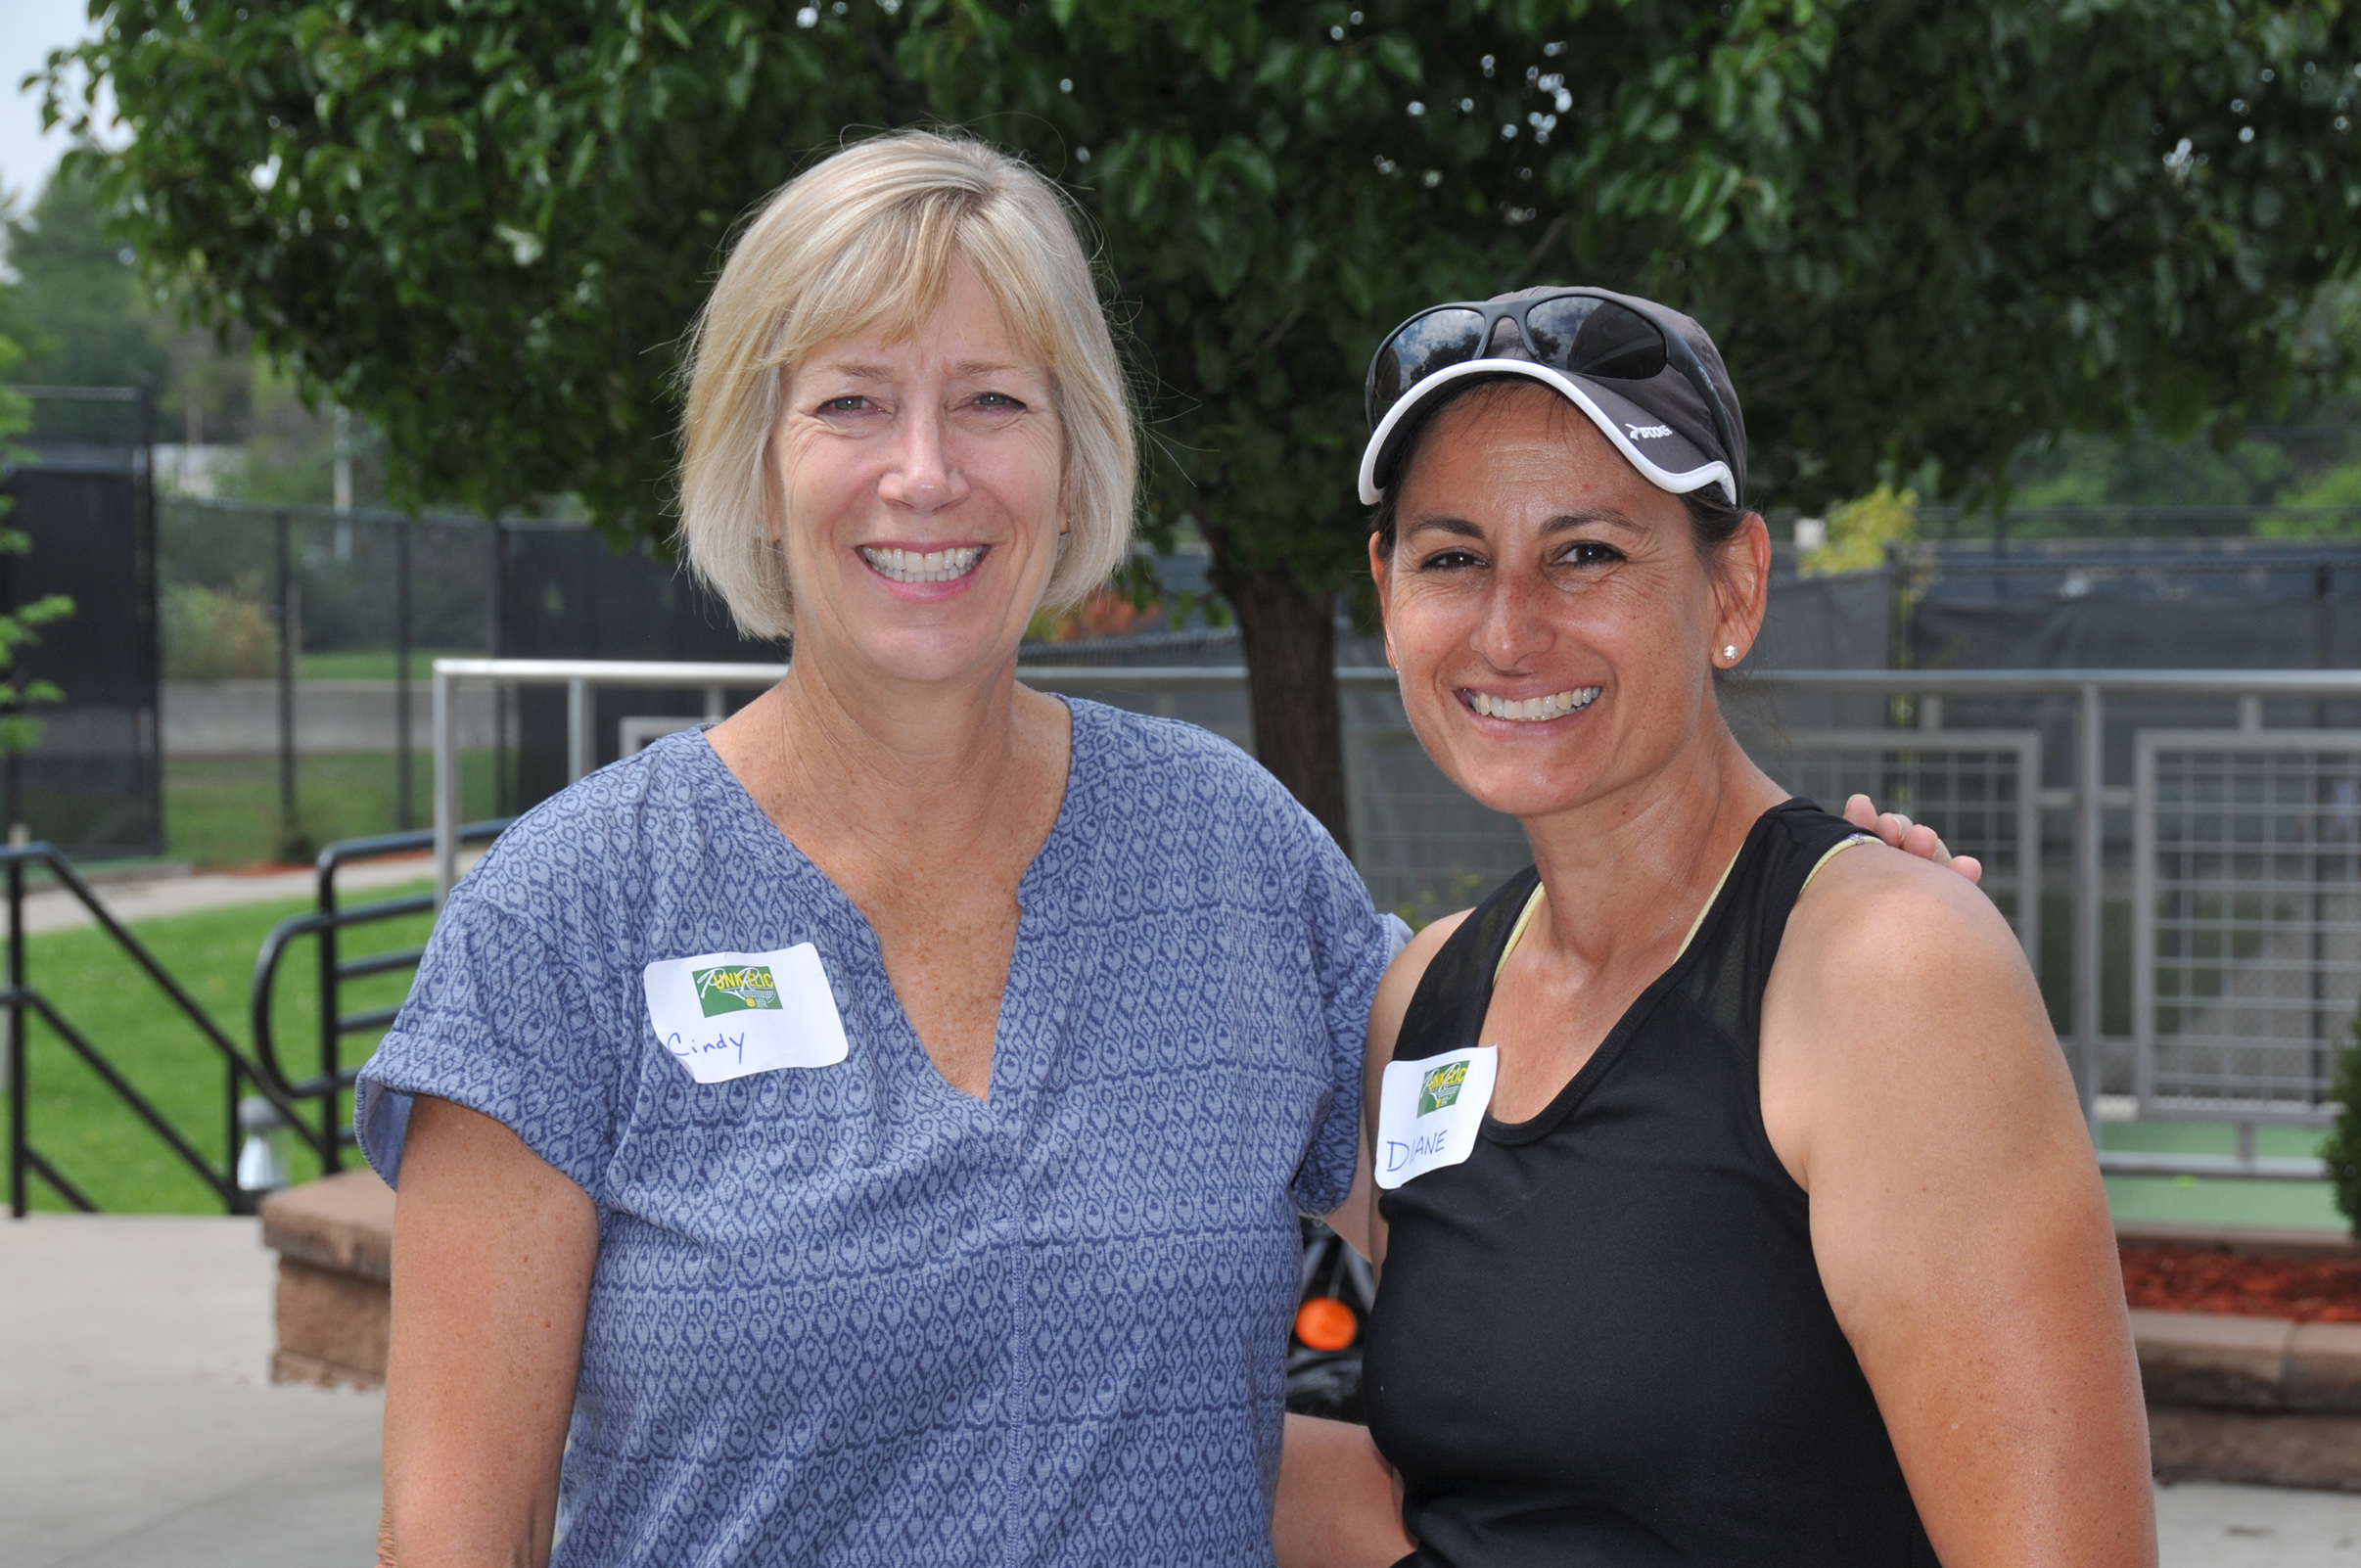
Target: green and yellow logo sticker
x,y
1440,1087
735,988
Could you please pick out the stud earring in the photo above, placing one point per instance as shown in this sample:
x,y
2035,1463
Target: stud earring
x,y
1730,652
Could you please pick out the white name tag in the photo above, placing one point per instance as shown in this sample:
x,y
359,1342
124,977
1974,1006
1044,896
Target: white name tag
x,y
1429,1112
727,1014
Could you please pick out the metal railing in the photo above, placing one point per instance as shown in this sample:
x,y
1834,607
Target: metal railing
x,y
2203,1045
21,997
579,677
332,1134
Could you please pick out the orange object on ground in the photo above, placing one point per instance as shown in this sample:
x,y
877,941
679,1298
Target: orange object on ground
x,y
1326,1323
2192,1279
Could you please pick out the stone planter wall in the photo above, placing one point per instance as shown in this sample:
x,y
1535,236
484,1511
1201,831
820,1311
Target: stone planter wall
x,y
2255,1399
335,1241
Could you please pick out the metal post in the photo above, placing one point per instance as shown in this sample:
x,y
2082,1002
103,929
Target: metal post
x,y
11,776
578,729
332,1102
404,817
341,480
15,1039
229,1167
499,650
287,636
714,712
2089,864
151,759
447,803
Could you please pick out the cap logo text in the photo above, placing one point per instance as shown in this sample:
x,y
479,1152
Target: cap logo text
x,y
1640,432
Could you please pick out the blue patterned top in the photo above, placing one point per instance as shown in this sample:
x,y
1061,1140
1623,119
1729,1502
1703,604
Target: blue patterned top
x,y
849,1314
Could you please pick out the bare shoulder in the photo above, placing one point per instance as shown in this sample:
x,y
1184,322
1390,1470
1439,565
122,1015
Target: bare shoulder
x,y
1901,1007
1873,903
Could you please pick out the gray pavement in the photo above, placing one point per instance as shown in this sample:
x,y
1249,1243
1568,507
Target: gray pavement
x,y
240,718
138,1425
2199,1525
54,908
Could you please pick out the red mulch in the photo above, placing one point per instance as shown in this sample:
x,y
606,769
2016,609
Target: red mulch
x,y
2195,1279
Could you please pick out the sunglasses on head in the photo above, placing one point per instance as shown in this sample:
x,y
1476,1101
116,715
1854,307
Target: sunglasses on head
x,y
1580,331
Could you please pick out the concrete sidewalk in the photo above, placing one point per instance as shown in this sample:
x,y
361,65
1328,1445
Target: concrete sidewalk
x,y
54,908
2199,1525
138,1427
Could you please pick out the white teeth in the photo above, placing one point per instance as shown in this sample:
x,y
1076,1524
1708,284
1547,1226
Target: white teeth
x,y
930,566
1535,709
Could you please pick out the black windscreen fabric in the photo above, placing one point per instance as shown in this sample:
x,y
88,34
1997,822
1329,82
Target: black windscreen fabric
x,y
566,593
92,784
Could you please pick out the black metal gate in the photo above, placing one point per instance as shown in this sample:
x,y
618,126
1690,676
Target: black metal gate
x,y
83,488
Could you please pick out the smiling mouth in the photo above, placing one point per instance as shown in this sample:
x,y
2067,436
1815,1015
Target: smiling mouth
x,y
931,566
1532,709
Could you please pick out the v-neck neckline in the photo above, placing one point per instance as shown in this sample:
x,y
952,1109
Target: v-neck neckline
x,y
1610,1046
1047,860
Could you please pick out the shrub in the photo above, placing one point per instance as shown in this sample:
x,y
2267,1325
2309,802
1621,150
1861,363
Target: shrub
x,y
1859,530
216,634
2342,1148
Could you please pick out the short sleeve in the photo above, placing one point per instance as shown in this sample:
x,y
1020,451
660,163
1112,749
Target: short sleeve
x,y
1352,944
498,1023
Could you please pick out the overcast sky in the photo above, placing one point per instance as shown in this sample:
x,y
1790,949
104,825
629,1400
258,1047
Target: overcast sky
x,y
29,30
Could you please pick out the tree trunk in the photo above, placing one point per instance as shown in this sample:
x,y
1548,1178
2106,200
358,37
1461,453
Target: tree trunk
x,y
1290,637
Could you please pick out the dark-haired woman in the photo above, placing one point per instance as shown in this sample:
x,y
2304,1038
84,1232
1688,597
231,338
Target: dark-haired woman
x,y
1704,1239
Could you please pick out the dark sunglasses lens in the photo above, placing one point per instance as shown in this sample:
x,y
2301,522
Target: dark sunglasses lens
x,y
1611,341
1436,340
1552,326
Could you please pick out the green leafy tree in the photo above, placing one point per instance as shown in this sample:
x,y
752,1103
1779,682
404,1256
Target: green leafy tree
x,y
83,316
1861,530
2339,486
76,308
1920,234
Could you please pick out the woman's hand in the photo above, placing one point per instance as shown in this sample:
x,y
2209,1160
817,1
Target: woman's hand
x,y
1911,838
492,1257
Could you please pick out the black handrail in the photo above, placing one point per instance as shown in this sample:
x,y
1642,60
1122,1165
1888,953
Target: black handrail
x,y
332,1136
18,998
262,1070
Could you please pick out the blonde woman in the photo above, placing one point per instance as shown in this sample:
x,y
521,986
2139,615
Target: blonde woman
x,y
873,1129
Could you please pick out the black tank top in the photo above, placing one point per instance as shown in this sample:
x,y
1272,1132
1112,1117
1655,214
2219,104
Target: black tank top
x,y
1602,1338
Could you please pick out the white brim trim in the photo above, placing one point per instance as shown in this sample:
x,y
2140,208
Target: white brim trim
x,y
1714,473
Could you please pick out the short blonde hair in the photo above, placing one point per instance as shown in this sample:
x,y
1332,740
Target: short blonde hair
x,y
865,240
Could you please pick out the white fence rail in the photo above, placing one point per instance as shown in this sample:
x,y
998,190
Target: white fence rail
x,y
2218,885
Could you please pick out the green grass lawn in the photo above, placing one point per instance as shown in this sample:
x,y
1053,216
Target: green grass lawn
x,y
90,1135
375,663
225,810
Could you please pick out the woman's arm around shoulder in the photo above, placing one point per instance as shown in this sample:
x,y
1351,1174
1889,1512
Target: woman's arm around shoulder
x,y
1911,1086
1337,1505
492,1257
